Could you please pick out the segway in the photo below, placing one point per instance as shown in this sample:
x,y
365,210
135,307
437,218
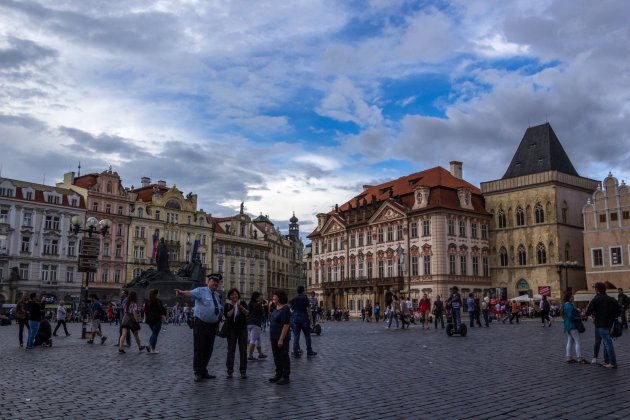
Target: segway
x,y
450,326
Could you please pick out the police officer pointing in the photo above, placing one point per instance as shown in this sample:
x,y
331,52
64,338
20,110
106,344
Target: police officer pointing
x,y
206,316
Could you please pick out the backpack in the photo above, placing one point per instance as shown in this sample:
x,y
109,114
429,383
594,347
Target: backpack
x,y
616,330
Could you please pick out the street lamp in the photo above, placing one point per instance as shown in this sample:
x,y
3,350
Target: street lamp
x,y
92,226
565,265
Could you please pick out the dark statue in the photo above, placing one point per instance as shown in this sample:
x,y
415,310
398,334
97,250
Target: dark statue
x,y
161,257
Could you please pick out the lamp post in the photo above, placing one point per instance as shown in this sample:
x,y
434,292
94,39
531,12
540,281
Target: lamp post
x,y
565,265
92,226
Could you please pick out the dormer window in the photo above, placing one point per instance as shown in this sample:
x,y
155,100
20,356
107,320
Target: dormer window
x,y
52,198
419,197
7,192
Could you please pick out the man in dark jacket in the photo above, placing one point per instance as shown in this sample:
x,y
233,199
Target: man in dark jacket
x,y
605,310
623,301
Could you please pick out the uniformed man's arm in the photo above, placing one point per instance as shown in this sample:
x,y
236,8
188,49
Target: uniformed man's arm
x,y
185,293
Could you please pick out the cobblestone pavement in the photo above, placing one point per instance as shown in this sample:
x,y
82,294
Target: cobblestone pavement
x,y
362,371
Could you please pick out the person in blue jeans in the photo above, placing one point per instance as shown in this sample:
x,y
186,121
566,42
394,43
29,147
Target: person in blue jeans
x,y
34,310
155,316
605,310
302,320
455,302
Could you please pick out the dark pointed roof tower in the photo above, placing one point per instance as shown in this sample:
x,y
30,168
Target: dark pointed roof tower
x,y
294,228
539,151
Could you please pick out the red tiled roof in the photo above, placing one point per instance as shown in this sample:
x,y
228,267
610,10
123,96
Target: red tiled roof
x,y
86,181
146,193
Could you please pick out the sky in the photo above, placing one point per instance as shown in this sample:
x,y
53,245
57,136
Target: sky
x,y
292,106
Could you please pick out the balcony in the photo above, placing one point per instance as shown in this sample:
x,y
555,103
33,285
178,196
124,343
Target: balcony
x,y
364,282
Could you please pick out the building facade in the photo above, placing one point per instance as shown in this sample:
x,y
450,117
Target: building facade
x,y
607,234
421,233
157,212
106,199
36,241
536,227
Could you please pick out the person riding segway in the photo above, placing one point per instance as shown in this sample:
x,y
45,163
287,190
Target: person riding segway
x,y
455,326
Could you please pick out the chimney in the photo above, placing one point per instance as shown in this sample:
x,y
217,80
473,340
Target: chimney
x,y
162,183
145,181
456,169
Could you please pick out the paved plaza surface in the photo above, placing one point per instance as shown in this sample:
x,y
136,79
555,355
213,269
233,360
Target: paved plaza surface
x,y
362,371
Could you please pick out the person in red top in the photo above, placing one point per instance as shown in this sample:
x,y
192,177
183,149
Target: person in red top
x,y
424,307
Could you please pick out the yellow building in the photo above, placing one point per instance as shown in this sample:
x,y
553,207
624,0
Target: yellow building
x,y
162,212
536,228
607,234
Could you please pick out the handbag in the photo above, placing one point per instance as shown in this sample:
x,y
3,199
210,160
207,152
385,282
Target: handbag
x,y
616,330
224,331
579,325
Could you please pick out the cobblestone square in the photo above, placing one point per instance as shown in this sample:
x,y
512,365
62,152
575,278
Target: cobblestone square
x,y
362,370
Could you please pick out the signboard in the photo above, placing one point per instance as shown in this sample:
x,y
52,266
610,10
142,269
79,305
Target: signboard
x,y
88,264
544,290
49,298
90,246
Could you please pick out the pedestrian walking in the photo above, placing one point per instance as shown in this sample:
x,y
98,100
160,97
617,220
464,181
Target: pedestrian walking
x,y
280,338
368,311
97,313
405,313
477,311
130,322
377,312
155,316
570,314
424,307
22,319
236,313
623,301
514,311
544,311
438,311
120,314
485,309
34,310
605,310
302,320
61,319
254,326
207,313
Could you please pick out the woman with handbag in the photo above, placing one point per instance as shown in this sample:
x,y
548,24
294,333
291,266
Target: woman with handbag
x,y
571,316
236,320
130,322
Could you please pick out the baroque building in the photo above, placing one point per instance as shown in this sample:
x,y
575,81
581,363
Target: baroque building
x,y
421,233
157,212
36,241
536,226
607,234
106,199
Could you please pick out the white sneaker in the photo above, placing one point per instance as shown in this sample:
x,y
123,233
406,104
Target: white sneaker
x,y
594,361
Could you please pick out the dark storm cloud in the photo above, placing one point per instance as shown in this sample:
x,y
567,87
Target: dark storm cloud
x,y
23,121
22,52
101,144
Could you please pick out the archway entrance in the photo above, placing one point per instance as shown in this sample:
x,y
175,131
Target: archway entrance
x,y
522,287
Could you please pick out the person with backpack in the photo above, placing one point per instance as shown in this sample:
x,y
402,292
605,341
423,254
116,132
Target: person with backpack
x,y
605,311
624,301
98,314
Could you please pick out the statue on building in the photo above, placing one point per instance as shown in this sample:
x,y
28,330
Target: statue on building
x,y
161,257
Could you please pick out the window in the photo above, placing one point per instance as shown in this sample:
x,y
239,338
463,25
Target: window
x,y
520,217
602,218
232,267
52,223
522,255
220,266
565,214
414,265
353,270
369,269
484,231
4,243
105,249
353,240
74,202
541,254
140,212
390,267
427,265
486,266
502,221
69,274
117,277
451,264
615,255
51,246
361,273
390,233
503,257
72,248
473,230
463,265
625,214
24,271
95,206
341,244
475,265
399,233
342,272
119,229
119,250
368,238
49,274
157,215
54,199
138,252
27,219
451,227
540,213
120,210
242,267
108,208
614,216
4,215
105,275
26,244
139,232
381,269
414,230
426,228
6,192
29,195
361,235
462,228
379,233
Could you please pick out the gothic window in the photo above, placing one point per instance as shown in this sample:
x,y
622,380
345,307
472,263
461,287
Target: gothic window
x,y
503,257
540,213
520,217
522,255
502,221
541,254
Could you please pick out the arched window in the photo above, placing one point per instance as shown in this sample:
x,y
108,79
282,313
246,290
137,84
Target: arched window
x,y
541,254
520,216
140,212
565,212
502,221
109,188
522,284
567,252
503,257
540,213
522,255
